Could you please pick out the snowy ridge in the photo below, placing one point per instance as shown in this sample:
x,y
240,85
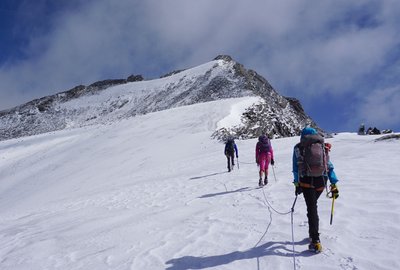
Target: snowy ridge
x,y
152,192
113,100
148,96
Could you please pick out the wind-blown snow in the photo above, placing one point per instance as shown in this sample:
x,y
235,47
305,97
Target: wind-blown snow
x,y
233,119
153,192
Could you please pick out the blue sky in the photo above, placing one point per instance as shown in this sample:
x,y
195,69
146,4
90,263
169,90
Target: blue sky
x,y
340,58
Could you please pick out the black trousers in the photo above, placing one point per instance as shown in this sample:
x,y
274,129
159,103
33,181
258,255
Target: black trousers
x,y
311,196
231,161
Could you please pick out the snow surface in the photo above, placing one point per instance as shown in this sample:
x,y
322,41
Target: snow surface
x,y
233,119
145,96
153,192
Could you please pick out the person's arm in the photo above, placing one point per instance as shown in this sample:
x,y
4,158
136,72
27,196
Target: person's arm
x,y
331,174
295,168
257,151
237,152
333,179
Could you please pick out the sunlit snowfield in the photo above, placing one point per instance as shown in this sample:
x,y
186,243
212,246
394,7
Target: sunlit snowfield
x,y
153,192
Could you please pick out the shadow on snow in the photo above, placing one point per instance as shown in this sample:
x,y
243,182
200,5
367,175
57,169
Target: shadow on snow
x,y
224,193
207,175
267,249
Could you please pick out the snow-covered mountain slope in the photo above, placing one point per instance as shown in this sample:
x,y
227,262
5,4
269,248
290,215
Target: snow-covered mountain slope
x,y
153,192
112,100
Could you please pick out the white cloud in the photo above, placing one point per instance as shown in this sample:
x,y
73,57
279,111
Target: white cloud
x,y
381,108
304,48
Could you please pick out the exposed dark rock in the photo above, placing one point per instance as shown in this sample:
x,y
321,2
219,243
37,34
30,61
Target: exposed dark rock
x,y
224,57
135,78
172,73
100,85
373,131
75,92
387,131
389,137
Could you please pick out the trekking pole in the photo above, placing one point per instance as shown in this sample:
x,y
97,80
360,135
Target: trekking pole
x,y
294,203
237,158
333,203
273,170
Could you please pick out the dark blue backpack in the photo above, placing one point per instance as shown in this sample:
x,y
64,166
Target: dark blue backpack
x,y
264,144
230,146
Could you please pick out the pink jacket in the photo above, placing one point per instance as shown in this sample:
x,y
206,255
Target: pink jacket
x,y
259,150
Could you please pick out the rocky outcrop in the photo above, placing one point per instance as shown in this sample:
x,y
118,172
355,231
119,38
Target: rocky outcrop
x,y
135,78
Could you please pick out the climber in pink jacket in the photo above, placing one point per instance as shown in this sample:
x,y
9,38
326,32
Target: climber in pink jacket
x,y
264,156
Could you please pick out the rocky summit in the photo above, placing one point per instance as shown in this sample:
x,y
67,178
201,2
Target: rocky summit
x,y
112,100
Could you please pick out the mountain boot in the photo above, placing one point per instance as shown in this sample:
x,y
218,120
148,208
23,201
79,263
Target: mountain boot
x,y
260,183
265,181
315,246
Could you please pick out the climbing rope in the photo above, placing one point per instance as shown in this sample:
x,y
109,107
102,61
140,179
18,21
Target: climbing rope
x,y
268,204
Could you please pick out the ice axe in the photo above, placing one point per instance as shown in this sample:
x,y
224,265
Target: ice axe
x,y
332,195
333,203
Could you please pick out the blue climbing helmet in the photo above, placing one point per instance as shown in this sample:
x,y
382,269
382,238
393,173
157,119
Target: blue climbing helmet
x,y
308,131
